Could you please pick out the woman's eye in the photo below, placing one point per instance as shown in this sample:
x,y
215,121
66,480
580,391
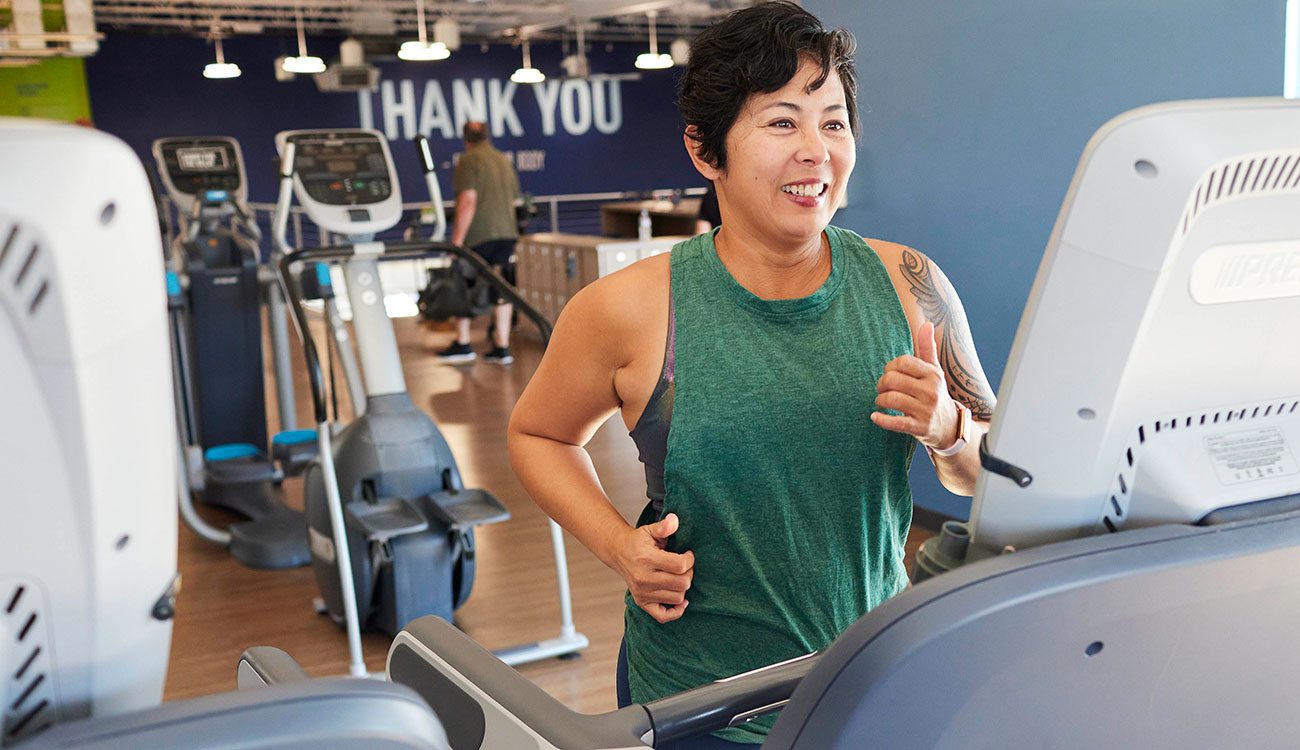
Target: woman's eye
x,y
782,124
835,125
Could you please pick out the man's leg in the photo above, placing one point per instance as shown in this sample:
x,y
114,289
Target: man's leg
x,y
501,317
460,350
462,330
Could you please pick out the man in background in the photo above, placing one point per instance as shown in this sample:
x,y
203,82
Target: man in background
x,y
486,187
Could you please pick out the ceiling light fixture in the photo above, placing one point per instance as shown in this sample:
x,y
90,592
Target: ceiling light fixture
x,y
527,74
576,65
220,68
652,60
303,63
447,31
422,49
680,51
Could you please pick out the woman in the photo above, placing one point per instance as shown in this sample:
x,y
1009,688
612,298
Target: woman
x,y
781,352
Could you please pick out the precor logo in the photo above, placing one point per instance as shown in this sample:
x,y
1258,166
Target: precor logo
x,y
1239,273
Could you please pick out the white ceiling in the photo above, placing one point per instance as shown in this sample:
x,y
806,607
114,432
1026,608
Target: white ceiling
x,y
484,20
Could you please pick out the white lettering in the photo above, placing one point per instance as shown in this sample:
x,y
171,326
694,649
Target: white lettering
x,y
1244,272
575,106
434,114
530,160
501,103
609,114
365,110
395,110
469,101
1292,273
548,95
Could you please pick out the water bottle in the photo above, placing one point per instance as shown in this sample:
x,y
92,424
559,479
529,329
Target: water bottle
x,y
643,226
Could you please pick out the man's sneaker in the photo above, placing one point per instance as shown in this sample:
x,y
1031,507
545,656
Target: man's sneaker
x,y
457,353
499,355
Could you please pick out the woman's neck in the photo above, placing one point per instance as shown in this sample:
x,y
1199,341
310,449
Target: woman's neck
x,y
772,271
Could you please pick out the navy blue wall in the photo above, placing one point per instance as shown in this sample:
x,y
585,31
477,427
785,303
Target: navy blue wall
x,y
974,116
620,132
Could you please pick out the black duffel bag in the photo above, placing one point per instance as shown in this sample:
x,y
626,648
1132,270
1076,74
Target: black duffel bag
x,y
455,291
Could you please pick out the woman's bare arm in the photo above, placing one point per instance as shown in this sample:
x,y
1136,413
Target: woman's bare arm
x,y
572,393
950,367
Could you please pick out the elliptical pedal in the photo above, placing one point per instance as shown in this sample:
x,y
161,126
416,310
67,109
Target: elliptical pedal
x,y
293,450
240,479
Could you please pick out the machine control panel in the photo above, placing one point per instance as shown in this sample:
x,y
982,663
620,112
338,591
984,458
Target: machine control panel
x,y
192,167
345,179
345,171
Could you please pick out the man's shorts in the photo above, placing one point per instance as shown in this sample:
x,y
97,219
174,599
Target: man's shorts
x,y
500,254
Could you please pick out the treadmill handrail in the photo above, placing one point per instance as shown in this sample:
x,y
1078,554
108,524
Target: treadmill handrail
x,y
387,251
425,155
728,702
430,646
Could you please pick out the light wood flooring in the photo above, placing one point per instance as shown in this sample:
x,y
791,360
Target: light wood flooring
x,y
224,608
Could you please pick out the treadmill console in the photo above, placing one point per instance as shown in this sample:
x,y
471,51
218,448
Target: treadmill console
x,y
344,179
190,167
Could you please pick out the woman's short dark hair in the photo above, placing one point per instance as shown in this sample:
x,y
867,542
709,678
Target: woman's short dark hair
x,y
751,51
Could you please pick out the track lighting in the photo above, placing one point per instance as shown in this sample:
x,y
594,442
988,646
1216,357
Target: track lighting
x,y
528,74
653,60
303,63
417,51
220,68
422,49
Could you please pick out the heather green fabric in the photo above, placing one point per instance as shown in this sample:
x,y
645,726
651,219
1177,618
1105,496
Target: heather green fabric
x,y
795,504
487,171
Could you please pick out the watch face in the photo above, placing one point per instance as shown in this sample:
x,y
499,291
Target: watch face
x,y
963,432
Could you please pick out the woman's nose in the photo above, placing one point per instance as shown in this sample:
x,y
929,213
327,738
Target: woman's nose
x,y
812,149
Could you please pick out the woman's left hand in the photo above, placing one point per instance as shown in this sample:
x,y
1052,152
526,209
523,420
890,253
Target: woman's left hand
x,y
915,385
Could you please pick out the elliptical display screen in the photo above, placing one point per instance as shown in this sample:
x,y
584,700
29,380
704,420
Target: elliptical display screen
x,y
198,165
342,171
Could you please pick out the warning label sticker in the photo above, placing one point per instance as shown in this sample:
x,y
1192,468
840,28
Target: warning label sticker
x,y
1251,455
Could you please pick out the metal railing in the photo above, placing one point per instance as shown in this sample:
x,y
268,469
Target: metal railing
x,y
574,213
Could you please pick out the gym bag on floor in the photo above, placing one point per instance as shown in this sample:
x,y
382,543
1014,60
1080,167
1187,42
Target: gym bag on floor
x,y
455,291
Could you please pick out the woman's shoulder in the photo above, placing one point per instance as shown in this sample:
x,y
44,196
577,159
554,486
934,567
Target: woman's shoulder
x,y
908,269
890,253
625,300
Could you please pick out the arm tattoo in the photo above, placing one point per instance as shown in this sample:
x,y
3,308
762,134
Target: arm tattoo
x,y
939,303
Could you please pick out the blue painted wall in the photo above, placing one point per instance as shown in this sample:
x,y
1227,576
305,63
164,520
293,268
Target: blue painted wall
x,y
619,132
974,116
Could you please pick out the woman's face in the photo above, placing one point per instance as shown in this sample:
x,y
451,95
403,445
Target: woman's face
x,y
789,157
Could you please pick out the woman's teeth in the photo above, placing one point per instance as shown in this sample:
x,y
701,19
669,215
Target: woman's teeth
x,y
809,190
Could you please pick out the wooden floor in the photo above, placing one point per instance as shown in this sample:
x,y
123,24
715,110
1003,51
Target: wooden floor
x,y
224,608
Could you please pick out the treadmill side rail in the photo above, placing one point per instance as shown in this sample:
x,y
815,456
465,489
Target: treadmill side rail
x,y
486,704
728,702
299,716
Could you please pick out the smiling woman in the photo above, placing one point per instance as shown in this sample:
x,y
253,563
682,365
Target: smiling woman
x,y
775,374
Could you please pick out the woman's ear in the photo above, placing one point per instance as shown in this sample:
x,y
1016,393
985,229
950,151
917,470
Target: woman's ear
x,y
709,171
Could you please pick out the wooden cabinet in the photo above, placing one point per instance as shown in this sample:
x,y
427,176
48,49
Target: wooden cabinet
x,y
552,266
666,218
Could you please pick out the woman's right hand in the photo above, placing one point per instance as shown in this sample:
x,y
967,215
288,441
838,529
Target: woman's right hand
x,y
657,578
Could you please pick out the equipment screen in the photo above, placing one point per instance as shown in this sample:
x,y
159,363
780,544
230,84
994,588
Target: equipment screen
x,y
343,171
201,159
196,166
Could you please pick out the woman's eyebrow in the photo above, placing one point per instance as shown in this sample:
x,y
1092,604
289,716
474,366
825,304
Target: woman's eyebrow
x,y
796,108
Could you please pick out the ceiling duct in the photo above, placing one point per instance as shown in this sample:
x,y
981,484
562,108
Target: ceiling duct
x,y
81,23
27,24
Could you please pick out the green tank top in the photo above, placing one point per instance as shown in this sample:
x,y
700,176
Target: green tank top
x,y
795,504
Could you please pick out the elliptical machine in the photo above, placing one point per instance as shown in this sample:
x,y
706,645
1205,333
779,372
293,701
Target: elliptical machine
x,y
216,291
390,522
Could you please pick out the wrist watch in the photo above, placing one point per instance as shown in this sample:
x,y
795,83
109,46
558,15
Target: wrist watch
x,y
963,432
